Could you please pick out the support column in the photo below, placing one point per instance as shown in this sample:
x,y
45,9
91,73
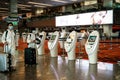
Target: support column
x,y
63,8
13,8
13,13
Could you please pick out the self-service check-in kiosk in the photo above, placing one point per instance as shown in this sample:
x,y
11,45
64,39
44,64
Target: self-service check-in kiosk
x,y
53,44
17,38
1,36
70,45
40,40
62,38
24,36
92,46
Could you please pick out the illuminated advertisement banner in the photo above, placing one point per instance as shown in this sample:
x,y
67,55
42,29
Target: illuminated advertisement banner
x,y
101,17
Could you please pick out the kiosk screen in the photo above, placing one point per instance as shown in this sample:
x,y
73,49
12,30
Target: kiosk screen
x,y
40,36
53,37
92,39
38,41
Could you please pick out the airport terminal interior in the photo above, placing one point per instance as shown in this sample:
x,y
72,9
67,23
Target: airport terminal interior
x,y
60,39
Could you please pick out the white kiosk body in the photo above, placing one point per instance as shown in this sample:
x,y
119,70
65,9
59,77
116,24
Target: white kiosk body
x,y
49,35
24,36
40,45
53,44
17,39
62,35
70,45
1,36
92,46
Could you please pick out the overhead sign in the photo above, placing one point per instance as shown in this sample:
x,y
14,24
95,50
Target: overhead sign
x,y
13,19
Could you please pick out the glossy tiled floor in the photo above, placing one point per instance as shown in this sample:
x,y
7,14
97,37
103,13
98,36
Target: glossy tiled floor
x,y
61,69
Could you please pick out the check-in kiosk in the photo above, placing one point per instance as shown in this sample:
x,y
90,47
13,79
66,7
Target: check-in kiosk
x,y
70,45
62,38
24,36
40,40
1,36
53,44
49,35
17,38
92,46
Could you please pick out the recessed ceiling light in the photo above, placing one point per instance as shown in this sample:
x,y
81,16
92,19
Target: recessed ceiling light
x,y
90,2
4,8
39,6
39,3
6,3
73,0
61,1
3,11
24,5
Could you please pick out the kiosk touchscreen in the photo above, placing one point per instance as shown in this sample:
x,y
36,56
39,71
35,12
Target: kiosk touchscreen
x,y
91,39
92,46
70,45
53,44
40,40
53,37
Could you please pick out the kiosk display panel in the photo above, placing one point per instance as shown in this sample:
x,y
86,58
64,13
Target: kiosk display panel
x,y
40,36
99,17
92,39
53,37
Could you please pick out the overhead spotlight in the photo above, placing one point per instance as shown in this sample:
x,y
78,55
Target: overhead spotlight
x,y
3,11
24,5
39,6
4,8
74,0
61,1
30,2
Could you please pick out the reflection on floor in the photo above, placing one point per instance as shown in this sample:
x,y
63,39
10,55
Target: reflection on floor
x,y
61,69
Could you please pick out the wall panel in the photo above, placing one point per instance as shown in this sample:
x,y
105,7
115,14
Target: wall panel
x,y
42,23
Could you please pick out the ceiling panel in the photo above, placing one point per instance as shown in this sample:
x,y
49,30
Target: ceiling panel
x,y
29,5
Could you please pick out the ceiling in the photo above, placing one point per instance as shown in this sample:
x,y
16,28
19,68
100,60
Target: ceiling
x,y
29,5
25,6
